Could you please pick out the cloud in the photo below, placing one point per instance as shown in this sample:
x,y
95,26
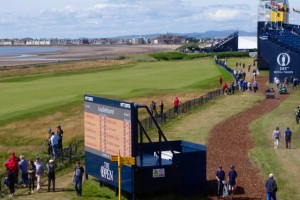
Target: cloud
x,y
223,15
106,18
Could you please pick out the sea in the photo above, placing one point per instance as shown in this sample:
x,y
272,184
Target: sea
x,y
26,50
15,54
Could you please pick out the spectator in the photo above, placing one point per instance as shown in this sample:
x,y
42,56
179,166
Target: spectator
x,y
10,168
55,142
255,86
78,178
295,82
249,87
39,173
151,108
161,108
288,138
50,150
276,137
23,165
31,176
154,108
220,80
271,188
220,176
51,166
13,158
224,88
60,134
232,176
176,105
297,112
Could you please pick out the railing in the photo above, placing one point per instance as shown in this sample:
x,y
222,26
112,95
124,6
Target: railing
x,y
147,123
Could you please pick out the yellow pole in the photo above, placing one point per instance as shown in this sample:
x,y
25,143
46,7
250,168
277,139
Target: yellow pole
x,y
119,175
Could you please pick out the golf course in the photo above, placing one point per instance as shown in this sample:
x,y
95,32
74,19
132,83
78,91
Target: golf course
x,y
35,98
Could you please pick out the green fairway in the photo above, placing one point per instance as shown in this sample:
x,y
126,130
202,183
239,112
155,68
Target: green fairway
x,y
36,93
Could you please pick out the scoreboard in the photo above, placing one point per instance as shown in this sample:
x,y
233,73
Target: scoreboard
x,y
108,126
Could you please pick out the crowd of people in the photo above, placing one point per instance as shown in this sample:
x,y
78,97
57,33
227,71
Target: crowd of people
x,y
31,172
153,108
227,188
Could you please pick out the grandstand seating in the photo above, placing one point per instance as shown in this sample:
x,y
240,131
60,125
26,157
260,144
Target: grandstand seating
x,y
230,43
287,36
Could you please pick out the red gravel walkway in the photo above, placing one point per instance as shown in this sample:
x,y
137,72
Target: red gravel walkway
x,y
230,143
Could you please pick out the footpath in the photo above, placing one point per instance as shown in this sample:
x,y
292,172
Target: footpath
x,y
230,143
63,190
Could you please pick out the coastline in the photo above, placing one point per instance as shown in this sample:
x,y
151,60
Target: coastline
x,y
73,53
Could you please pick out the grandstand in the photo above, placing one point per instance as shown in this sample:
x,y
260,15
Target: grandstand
x,y
278,41
230,43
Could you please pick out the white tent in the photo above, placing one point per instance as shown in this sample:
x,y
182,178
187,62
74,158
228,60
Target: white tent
x,y
247,43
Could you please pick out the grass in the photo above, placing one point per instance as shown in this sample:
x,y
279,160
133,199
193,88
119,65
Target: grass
x,y
37,98
283,163
34,99
24,95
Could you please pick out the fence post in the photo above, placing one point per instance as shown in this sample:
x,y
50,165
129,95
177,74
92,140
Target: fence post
x,y
62,155
1,183
70,156
76,145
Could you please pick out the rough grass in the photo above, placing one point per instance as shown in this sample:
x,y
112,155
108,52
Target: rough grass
x,y
283,163
196,125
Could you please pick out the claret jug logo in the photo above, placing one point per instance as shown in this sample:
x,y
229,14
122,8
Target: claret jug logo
x,y
283,59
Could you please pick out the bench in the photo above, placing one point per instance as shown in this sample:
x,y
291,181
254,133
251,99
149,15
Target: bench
x,y
270,95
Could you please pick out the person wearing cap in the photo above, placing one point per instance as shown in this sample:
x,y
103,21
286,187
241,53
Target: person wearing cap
x,y
60,134
220,176
51,166
13,158
10,168
23,165
271,188
232,176
39,172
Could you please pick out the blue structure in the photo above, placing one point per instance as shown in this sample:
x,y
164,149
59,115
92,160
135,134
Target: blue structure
x,y
160,166
278,41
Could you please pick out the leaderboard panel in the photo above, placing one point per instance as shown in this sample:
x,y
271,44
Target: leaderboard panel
x,y
108,126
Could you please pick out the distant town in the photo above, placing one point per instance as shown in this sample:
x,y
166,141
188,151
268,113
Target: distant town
x,y
160,39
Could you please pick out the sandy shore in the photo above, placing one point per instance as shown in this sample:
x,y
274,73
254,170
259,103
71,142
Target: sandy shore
x,y
81,53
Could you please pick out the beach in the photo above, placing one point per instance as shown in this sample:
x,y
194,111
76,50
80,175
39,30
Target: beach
x,y
67,53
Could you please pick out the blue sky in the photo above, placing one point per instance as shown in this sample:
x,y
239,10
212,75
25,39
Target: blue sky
x,y
108,18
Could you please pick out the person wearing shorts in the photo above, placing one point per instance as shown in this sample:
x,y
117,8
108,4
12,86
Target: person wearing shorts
x,y
232,176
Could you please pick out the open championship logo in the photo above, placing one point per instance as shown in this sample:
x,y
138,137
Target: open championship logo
x,y
283,59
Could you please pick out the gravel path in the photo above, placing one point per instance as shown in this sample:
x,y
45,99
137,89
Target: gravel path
x,y
230,143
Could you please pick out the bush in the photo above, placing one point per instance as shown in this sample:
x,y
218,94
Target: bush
x,y
168,56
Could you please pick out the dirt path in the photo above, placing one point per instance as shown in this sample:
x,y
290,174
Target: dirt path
x,y
230,143
63,190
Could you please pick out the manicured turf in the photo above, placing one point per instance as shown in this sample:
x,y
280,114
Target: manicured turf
x,y
25,95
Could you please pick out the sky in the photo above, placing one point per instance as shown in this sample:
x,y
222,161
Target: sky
x,y
110,18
